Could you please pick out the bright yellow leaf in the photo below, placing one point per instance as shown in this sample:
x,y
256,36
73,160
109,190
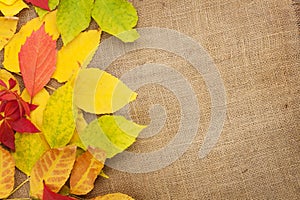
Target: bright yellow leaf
x,y
5,76
13,9
40,99
12,49
7,173
54,167
114,196
99,92
8,29
75,54
8,2
84,173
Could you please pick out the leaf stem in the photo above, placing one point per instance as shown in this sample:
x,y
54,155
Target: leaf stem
x,y
19,186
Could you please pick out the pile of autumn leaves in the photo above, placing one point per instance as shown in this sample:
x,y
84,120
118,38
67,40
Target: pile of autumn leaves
x,y
45,136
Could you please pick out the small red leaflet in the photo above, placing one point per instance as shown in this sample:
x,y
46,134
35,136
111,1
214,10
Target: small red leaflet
x,y
49,195
40,3
37,59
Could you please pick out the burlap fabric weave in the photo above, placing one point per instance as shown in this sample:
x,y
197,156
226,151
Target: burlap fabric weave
x,y
255,47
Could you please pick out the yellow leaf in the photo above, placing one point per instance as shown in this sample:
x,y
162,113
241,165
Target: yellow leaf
x,y
12,49
12,9
8,29
75,54
8,2
7,173
98,92
84,173
54,167
5,76
80,126
114,196
40,99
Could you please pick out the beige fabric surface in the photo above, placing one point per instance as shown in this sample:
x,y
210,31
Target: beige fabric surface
x,y
255,46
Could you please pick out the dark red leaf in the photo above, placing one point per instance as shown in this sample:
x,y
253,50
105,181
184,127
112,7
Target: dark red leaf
x,y
40,3
2,83
25,106
7,136
37,59
49,195
32,106
9,96
23,125
10,108
12,83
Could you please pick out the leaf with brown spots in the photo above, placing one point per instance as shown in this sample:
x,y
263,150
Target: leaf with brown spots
x,y
7,172
86,169
54,167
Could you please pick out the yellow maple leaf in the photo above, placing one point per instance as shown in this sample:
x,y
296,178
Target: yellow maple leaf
x,y
75,54
12,49
12,9
54,167
114,196
8,29
7,172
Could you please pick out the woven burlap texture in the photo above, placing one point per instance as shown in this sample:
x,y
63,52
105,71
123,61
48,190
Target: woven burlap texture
x,y
255,46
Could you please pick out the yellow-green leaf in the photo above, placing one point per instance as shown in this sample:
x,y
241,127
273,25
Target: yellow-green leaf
x,y
113,134
73,16
80,126
12,9
75,54
84,173
8,29
40,99
29,148
12,49
7,173
54,167
116,17
5,76
58,121
52,5
98,92
114,196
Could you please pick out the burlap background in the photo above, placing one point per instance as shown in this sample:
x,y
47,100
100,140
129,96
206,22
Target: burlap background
x,y
255,45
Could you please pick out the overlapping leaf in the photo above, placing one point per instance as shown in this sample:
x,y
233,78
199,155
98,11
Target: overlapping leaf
x,y
50,195
76,54
114,196
80,126
8,29
5,76
52,5
116,17
98,92
37,59
12,9
12,49
54,167
85,172
7,172
73,16
39,3
58,122
113,134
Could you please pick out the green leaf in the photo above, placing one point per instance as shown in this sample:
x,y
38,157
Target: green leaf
x,y
41,12
113,134
116,17
59,115
73,16
97,91
29,148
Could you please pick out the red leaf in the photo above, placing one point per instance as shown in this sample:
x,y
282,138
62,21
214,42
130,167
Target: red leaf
x,y
49,195
37,59
7,136
3,84
10,108
23,125
12,83
40,3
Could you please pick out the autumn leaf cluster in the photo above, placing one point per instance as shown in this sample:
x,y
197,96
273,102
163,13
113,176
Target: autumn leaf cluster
x,y
44,134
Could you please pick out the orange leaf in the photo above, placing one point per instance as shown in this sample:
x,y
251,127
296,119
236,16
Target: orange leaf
x,y
85,172
54,167
114,196
37,59
7,173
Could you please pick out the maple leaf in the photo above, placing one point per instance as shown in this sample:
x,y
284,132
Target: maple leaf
x,y
49,195
40,3
37,60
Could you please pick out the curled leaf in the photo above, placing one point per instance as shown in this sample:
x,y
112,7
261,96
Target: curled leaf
x,y
84,173
7,172
8,29
54,167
